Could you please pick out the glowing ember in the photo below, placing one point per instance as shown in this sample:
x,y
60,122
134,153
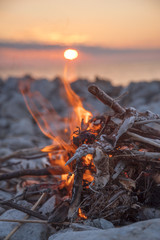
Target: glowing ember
x,y
70,54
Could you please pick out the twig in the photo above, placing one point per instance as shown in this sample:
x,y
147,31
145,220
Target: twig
x,y
26,217
30,153
34,221
149,131
25,210
23,221
33,172
21,153
149,155
107,100
143,139
139,156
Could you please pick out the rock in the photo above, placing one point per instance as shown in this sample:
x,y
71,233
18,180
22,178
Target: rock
x,y
11,84
147,230
1,83
26,231
31,231
24,203
2,210
6,227
3,98
99,223
4,123
14,107
45,87
81,227
102,223
5,195
48,206
17,143
141,92
5,151
22,127
149,213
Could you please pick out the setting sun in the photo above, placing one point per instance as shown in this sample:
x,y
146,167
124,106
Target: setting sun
x,y
70,54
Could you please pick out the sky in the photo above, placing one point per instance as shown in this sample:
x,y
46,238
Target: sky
x,y
109,23
34,33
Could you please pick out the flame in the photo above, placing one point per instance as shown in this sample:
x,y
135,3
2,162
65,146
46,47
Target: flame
x,y
70,54
79,114
58,129
67,182
81,214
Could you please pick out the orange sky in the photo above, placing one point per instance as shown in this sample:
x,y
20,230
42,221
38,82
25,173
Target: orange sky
x,y
108,23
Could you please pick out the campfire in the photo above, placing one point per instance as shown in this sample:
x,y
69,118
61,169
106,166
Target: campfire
x,y
103,166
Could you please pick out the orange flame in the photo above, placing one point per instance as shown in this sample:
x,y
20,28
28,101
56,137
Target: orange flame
x,y
50,123
81,214
79,113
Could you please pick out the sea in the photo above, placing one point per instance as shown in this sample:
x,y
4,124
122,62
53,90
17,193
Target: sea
x,y
119,66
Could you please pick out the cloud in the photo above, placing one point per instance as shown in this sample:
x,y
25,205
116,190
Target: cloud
x,y
95,50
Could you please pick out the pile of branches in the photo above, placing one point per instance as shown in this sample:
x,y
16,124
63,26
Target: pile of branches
x,y
125,166
126,156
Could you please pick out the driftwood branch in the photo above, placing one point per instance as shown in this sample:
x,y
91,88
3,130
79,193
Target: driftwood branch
x,y
107,100
152,157
33,172
148,121
143,139
22,209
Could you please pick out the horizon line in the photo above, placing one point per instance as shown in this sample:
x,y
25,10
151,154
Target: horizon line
x,y
94,49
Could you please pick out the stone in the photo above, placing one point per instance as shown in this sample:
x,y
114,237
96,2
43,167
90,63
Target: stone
x,y
147,230
22,127
2,210
26,231
102,223
99,223
4,123
11,84
5,151
81,227
14,107
17,143
5,195
46,88
48,206
149,213
3,99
